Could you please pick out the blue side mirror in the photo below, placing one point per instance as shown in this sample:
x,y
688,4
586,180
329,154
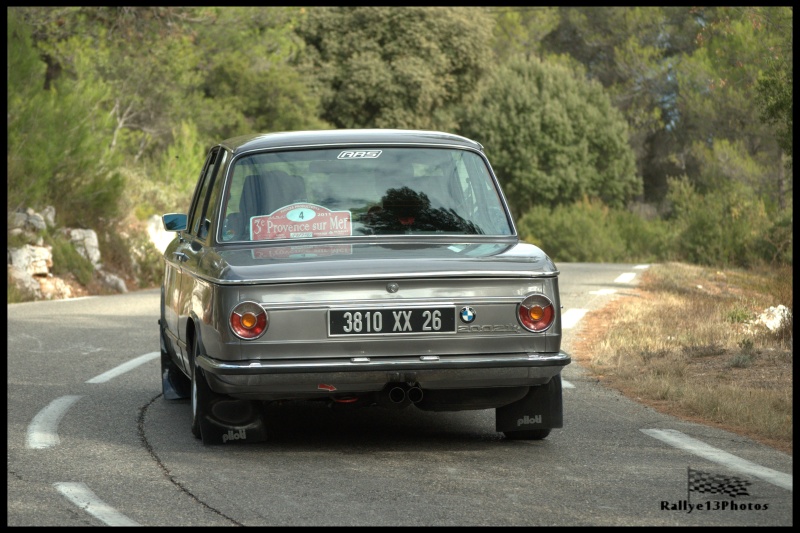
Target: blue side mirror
x,y
174,221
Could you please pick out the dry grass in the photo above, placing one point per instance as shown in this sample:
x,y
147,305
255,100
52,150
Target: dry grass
x,y
688,344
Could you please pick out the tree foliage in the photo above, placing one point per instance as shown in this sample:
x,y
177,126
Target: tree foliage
x,y
565,100
774,89
553,137
684,76
249,71
520,30
729,227
389,67
58,139
718,84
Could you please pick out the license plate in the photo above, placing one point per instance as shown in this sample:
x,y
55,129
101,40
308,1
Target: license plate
x,y
410,320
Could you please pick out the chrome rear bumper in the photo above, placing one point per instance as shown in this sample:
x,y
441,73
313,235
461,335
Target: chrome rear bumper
x,y
319,378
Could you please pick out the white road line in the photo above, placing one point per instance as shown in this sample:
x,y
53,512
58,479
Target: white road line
x,y
566,384
570,317
602,292
73,299
81,496
627,277
641,267
124,367
43,429
684,442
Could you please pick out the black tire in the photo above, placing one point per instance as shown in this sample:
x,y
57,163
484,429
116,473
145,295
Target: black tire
x,y
199,392
528,434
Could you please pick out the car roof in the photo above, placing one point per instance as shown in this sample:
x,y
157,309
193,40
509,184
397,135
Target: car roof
x,y
287,139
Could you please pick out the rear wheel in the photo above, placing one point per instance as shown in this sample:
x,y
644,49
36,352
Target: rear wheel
x,y
197,396
218,418
202,400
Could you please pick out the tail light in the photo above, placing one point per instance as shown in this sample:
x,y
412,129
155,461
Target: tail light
x,y
249,320
536,313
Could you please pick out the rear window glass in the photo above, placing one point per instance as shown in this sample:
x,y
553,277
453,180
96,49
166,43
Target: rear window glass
x,y
339,192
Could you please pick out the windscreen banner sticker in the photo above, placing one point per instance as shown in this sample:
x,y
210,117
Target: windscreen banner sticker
x,y
301,221
360,154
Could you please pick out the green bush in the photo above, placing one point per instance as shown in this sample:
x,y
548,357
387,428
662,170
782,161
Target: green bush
x,y
775,244
725,227
582,232
149,261
588,231
131,254
67,259
553,136
645,241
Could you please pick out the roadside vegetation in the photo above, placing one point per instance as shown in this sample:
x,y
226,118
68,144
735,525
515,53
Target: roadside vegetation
x,y
688,341
619,134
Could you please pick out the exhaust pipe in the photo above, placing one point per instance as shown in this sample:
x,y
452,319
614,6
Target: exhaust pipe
x,y
397,394
393,396
414,394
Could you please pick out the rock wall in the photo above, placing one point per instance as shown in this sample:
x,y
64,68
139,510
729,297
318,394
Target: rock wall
x,y
29,265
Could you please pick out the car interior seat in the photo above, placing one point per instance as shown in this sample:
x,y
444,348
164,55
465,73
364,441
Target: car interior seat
x,y
263,194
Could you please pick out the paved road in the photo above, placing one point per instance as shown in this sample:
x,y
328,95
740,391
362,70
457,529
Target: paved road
x,y
91,442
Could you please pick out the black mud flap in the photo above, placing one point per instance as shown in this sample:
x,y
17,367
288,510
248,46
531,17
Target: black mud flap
x,y
226,420
541,408
216,432
174,384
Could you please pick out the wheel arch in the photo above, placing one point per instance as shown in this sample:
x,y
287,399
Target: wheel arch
x,y
192,336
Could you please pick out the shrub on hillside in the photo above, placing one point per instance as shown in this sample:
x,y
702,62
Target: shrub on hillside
x,y
128,251
582,232
726,227
67,259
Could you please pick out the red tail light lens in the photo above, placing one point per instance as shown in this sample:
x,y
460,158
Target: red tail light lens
x,y
249,320
536,313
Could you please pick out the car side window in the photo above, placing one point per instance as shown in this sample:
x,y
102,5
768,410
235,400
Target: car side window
x,y
212,198
197,214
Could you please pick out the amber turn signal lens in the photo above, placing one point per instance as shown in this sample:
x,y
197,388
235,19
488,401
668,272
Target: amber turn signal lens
x,y
249,320
536,313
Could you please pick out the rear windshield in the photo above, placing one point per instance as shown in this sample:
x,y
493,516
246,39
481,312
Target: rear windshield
x,y
340,192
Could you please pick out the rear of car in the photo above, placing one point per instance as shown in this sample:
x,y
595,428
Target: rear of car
x,y
361,268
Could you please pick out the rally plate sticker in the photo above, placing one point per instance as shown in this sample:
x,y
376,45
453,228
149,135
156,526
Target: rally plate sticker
x,y
301,221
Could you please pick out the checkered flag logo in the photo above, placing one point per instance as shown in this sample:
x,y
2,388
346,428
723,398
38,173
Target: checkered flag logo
x,y
706,483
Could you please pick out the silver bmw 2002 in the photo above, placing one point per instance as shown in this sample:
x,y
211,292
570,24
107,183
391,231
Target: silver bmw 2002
x,y
356,267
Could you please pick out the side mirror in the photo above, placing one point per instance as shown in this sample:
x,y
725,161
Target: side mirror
x,y
174,221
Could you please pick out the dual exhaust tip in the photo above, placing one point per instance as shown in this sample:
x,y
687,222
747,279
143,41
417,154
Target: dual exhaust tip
x,y
394,396
404,394
399,395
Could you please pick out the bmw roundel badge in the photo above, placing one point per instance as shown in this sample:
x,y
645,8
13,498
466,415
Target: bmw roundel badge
x,y
467,314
